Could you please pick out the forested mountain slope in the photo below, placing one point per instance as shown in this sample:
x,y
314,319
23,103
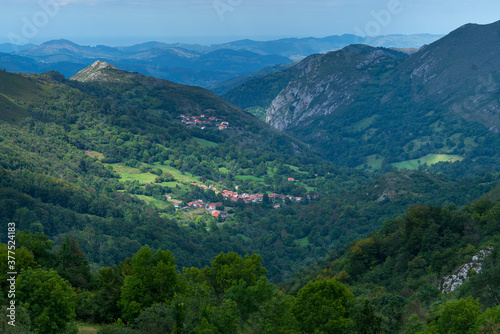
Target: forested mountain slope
x,y
364,106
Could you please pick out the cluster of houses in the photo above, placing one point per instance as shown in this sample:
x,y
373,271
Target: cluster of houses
x,y
211,208
247,198
203,121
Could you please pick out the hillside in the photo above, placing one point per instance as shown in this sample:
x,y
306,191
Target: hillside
x,y
142,205
369,108
117,144
134,139
421,271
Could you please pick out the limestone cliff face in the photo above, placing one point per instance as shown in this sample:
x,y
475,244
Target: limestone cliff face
x,y
325,84
459,73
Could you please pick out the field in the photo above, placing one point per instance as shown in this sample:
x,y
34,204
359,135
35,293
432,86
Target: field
x,y
84,328
250,177
363,124
374,161
244,237
429,159
205,143
133,174
302,242
94,154
154,202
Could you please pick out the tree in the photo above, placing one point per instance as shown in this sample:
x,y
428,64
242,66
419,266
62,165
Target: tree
x,y
458,316
228,269
274,316
157,319
153,280
107,297
73,264
366,319
23,322
24,260
323,306
48,298
39,245
488,322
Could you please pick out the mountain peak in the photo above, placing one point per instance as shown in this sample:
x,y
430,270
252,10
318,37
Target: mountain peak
x,y
102,71
61,42
99,64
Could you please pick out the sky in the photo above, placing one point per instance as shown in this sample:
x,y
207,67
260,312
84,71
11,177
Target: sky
x,y
127,22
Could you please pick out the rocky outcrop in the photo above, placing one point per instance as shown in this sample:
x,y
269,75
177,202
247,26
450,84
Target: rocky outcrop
x,y
462,274
326,84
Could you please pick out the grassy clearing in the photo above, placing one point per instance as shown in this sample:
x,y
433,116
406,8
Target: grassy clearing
x,y
84,328
369,133
151,201
296,169
247,239
133,174
363,124
205,143
94,154
189,214
179,176
258,112
223,170
429,159
374,161
302,242
250,177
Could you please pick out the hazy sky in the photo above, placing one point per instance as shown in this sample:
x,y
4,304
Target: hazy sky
x,y
124,22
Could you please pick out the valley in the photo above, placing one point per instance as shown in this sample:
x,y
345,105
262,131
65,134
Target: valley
x,y
328,187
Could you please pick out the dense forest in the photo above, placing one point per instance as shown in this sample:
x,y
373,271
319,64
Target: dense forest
x,y
84,173
391,282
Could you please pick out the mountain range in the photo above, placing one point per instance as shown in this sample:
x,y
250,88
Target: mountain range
x,y
186,63
367,106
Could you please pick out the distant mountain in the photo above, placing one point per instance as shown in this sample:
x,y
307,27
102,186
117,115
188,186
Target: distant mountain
x,y
64,50
15,63
299,48
172,62
365,106
10,48
190,64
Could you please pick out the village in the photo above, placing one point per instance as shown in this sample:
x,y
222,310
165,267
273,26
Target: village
x,y
203,121
214,208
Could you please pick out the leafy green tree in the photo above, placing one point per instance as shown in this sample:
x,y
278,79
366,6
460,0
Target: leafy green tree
x,y
458,316
108,295
488,322
48,298
153,280
250,298
39,245
228,269
366,319
73,264
414,325
274,316
323,306
23,321
24,260
157,319
224,319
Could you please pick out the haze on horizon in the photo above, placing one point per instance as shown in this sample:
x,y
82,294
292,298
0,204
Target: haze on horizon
x,y
125,22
